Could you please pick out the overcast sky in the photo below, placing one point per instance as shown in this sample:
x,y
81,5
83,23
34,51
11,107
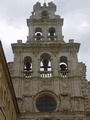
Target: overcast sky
x,y
76,14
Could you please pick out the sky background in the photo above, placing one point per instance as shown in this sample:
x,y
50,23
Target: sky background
x,y
76,14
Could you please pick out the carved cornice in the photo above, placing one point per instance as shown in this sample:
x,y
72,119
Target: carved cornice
x,y
47,21
43,46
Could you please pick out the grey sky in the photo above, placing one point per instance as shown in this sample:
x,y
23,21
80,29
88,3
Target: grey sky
x,y
76,14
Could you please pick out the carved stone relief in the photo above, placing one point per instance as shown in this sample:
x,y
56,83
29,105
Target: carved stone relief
x,y
28,104
65,103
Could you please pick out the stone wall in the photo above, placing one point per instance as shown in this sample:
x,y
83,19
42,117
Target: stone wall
x,y
7,110
8,104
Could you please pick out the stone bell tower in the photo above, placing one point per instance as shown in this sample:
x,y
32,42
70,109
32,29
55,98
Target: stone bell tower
x,y
49,82
44,24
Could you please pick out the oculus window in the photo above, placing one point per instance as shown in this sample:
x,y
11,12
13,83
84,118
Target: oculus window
x,y
46,103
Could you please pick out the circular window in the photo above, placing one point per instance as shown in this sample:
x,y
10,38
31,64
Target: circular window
x,y
46,103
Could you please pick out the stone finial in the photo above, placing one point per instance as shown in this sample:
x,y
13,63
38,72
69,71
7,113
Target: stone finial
x,y
71,40
44,4
52,5
19,41
36,6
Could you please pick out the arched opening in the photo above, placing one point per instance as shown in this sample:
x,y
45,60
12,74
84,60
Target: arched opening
x,y
63,66
52,33
38,34
27,67
45,65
